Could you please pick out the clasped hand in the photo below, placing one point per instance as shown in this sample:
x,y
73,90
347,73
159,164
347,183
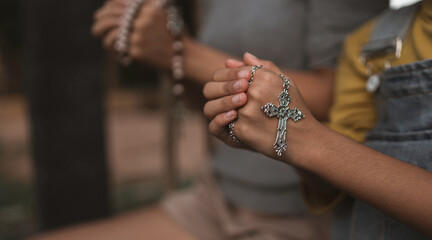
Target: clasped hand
x,y
230,97
150,41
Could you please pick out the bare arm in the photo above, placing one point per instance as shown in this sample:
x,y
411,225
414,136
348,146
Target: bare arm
x,y
316,87
401,190
150,43
201,61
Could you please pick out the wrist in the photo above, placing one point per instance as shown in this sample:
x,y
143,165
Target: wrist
x,y
200,60
182,45
305,143
188,45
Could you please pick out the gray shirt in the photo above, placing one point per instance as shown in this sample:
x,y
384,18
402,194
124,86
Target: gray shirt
x,y
295,34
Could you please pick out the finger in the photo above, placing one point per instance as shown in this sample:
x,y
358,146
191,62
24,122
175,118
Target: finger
x,y
213,90
224,104
233,63
109,12
124,2
102,26
218,126
110,38
110,8
228,74
250,59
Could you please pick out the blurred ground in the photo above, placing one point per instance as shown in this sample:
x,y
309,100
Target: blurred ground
x,y
134,138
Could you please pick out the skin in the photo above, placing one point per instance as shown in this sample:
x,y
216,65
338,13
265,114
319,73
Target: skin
x,y
399,189
140,224
150,44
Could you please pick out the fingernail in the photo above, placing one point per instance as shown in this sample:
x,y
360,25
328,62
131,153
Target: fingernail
x,y
243,74
237,85
229,114
251,55
236,98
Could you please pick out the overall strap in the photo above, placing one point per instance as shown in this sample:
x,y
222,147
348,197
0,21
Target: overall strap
x,y
389,32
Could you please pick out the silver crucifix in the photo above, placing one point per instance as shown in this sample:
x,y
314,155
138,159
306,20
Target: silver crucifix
x,y
283,112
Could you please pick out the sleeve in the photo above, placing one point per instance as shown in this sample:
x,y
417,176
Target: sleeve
x,y
330,21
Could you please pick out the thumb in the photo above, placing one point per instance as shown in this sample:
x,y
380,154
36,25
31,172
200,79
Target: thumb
x,y
232,63
250,59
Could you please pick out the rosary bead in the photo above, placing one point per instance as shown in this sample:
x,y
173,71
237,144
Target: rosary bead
x,y
178,89
178,74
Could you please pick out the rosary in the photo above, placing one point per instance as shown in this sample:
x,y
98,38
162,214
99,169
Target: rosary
x,y
174,99
175,26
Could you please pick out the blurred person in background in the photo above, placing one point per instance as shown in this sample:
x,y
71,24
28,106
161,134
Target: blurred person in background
x,y
246,196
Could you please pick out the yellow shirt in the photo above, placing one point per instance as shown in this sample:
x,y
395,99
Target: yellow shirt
x,y
353,112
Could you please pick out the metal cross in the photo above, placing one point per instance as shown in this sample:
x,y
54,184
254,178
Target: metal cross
x,y
283,113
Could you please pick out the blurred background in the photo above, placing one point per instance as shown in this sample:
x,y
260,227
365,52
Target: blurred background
x,y
69,113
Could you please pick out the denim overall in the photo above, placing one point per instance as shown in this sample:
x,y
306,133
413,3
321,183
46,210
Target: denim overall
x,y
403,131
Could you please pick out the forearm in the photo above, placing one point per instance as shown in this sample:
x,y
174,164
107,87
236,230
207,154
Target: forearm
x,y
201,61
316,87
399,189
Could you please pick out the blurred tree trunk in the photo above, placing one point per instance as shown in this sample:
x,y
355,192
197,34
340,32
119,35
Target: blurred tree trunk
x,y
10,43
64,75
